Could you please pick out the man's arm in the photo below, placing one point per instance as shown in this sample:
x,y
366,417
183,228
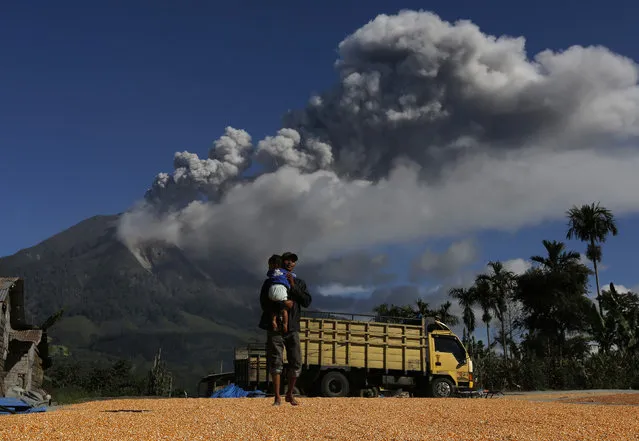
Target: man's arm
x,y
299,293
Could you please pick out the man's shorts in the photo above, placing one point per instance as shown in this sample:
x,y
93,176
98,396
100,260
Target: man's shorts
x,y
276,344
278,293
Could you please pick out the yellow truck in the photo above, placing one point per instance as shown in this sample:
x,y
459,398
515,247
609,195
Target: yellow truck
x,y
344,356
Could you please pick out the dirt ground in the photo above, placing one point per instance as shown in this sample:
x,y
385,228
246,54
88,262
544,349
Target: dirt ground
x,y
556,416
601,397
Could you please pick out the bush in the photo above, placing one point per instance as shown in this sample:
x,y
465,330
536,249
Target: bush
x,y
598,371
72,380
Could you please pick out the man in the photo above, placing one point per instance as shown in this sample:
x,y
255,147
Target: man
x,y
276,341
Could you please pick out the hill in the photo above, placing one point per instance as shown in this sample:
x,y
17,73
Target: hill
x,y
123,304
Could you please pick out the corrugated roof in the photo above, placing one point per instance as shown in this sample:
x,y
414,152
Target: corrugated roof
x,y
5,286
29,335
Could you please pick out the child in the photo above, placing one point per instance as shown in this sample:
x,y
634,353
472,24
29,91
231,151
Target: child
x,y
282,280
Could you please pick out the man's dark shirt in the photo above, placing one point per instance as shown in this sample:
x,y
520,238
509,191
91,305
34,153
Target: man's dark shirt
x,y
298,294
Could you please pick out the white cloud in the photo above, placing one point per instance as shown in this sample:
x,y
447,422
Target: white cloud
x,y
517,266
619,288
336,289
584,261
433,130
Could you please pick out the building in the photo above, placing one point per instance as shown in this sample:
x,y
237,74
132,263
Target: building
x,y
20,343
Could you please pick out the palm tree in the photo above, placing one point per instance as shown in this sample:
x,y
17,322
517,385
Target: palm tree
x,y
554,297
466,299
500,282
591,224
483,295
444,315
558,258
393,313
423,308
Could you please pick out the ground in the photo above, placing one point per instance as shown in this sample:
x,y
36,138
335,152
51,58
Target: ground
x,y
584,415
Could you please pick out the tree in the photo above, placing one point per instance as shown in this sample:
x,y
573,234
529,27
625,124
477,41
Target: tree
x,y
591,224
466,299
500,282
386,313
558,258
554,299
423,308
482,293
160,381
444,315
394,313
622,319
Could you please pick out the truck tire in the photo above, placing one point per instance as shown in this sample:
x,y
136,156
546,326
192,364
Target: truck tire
x,y
442,388
334,384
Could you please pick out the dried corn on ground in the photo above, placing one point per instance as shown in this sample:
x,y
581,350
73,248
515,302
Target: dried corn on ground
x,y
630,398
325,418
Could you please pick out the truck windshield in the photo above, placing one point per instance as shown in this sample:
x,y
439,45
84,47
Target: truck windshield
x,y
451,345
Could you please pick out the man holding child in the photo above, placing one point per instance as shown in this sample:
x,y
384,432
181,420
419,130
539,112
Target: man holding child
x,y
277,339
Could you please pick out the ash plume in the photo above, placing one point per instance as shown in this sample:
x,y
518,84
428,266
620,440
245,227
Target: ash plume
x,y
432,129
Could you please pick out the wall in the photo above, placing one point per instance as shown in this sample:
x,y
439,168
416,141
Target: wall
x,y
5,309
19,365
35,369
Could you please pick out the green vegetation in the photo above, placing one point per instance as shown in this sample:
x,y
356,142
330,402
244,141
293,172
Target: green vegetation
x,y
69,381
550,333
74,379
421,308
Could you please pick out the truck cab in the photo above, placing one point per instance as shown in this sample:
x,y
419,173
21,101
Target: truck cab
x,y
450,365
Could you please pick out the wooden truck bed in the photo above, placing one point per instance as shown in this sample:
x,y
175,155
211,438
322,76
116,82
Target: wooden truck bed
x,y
328,342
368,345
250,366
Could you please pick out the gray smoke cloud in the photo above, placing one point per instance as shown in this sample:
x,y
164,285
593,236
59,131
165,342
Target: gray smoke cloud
x,y
358,269
194,177
431,265
433,129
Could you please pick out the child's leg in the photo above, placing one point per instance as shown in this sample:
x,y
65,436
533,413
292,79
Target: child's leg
x,y
274,320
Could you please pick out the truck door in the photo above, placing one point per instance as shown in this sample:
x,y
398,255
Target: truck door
x,y
448,354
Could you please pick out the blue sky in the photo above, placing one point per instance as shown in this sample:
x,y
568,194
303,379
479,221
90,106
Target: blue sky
x,y
96,99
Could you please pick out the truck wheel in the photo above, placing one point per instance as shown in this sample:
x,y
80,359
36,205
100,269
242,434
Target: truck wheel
x,y
334,384
442,388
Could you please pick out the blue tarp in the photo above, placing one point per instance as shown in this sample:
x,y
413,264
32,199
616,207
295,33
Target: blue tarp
x,y
18,406
233,391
